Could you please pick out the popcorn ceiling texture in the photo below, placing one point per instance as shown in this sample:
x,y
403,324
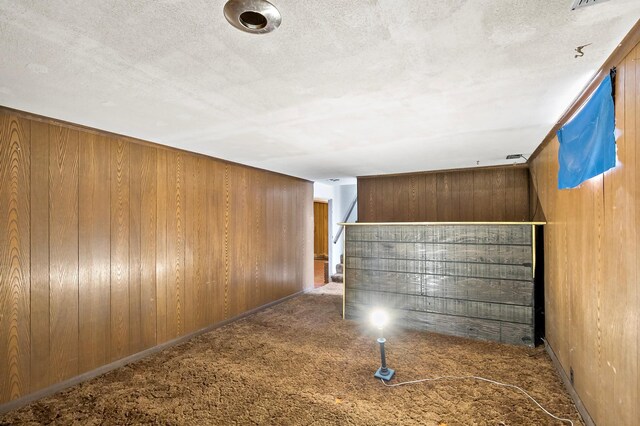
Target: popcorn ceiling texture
x,y
299,363
342,88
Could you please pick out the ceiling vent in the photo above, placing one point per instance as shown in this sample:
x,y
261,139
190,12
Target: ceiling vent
x,y
252,16
577,4
513,156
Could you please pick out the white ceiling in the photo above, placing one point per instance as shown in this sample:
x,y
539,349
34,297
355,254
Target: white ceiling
x,y
342,88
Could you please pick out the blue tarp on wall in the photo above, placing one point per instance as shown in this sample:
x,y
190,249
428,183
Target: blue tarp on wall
x,y
587,142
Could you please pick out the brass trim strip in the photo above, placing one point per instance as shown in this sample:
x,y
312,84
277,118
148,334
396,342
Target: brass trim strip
x,y
344,276
533,250
438,223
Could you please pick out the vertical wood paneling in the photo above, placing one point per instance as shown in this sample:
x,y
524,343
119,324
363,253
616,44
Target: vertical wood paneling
x,y
584,288
307,223
281,249
321,229
509,190
135,219
194,261
386,201
401,194
162,262
253,197
595,382
481,195
142,249
175,244
430,207
520,196
465,182
215,238
270,256
443,196
226,217
455,201
40,291
112,246
621,304
281,262
414,204
63,252
633,64
200,241
364,195
591,266
94,252
292,279
14,257
120,240
148,250
190,245
252,287
263,246
367,197
498,194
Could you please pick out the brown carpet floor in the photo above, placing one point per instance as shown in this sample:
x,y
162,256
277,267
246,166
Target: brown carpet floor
x,y
299,363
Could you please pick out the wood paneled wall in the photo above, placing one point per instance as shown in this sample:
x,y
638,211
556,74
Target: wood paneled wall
x,y
110,246
321,229
496,194
592,266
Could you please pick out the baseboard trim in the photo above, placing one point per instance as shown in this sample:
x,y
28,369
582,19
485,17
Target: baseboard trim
x,y
53,389
586,418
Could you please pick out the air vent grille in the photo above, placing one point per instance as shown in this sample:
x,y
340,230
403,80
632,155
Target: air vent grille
x,y
584,3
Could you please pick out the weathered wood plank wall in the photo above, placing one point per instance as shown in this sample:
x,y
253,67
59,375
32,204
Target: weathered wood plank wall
x,y
465,280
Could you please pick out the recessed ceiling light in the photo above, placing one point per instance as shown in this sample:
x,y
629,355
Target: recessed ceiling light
x,y
252,16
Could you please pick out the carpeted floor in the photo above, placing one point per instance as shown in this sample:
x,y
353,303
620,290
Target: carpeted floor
x,y
299,363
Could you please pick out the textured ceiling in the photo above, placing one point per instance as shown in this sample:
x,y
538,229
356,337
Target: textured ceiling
x,y
342,88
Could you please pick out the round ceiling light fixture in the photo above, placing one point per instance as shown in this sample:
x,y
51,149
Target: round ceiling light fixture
x,y
252,16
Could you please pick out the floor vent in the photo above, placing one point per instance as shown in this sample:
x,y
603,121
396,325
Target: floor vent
x,y
577,4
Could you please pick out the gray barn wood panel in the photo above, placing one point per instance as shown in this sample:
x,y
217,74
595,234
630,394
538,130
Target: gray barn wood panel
x,y
471,280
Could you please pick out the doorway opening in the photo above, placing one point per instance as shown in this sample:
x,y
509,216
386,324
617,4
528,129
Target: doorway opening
x,y
320,243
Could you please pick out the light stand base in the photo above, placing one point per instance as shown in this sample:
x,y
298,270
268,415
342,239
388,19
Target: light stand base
x,y
380,375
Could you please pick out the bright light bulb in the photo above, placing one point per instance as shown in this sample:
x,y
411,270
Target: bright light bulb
x,y
379,318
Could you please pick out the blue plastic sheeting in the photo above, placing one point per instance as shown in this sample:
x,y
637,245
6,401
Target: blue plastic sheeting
x,y
587,142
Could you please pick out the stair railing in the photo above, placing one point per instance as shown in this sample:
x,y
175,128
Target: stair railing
x,y
346,218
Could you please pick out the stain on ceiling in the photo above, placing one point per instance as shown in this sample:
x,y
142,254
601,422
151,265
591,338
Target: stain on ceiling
x,y
341,89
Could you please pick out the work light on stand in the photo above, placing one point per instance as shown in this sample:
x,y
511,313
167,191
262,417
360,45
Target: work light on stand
x,y
379,318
